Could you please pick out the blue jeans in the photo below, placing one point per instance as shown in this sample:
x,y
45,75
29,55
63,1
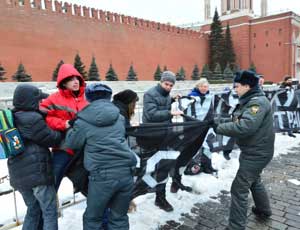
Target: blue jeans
x,y
60,161
108,188
40,201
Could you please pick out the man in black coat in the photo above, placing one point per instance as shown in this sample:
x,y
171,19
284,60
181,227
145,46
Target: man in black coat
x,y
157,108
31,171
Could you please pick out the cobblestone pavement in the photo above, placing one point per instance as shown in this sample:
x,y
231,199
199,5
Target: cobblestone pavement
x,y
284,197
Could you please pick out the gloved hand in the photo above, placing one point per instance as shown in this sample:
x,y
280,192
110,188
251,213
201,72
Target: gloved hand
x,y
213,124
72,121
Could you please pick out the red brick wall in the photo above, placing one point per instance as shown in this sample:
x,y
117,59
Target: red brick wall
x,y
41,38
265,42
270,46
239,28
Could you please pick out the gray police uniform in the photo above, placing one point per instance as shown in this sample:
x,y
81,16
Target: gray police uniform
x,y
252,126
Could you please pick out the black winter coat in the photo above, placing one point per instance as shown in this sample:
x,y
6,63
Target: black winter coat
x,y
33,167
157,105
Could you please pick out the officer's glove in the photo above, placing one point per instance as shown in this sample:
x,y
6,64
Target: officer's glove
x,y
213,124
71,122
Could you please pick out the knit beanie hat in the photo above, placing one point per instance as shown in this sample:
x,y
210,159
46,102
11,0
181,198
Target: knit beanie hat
x,y
126,96
168,76
246,77
97,91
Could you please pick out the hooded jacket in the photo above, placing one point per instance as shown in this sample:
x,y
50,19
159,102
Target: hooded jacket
x,y
64,104
100,131
32,167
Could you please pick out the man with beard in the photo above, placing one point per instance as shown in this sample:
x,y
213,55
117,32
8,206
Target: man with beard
x,y
157,108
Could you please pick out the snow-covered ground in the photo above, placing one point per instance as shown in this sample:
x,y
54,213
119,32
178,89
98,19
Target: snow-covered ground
x,y
147,216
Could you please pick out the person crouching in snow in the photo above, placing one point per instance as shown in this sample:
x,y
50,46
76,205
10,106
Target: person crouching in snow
x,y
100,131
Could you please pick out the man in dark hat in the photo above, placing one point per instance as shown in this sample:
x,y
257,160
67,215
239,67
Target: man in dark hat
x,y
100,131
252,126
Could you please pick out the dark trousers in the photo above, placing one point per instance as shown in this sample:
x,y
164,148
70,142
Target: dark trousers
x,y
60,161
246,179
108,188
185,156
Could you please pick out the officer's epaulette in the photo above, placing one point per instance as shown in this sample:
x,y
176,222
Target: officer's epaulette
x,y
253,98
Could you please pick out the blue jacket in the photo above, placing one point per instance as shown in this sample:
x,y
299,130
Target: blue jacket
x,y
100,132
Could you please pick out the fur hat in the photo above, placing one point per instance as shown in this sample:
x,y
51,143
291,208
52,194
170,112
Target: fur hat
x,y
246,77
126,96
97,91
168,76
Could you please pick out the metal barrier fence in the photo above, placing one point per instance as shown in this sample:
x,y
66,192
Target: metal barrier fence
x,y
7,103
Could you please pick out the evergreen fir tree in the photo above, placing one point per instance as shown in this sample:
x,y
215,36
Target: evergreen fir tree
x,y
195,74
21,75
111,74
131,74
78,64
55,72
165,68
206,73
235,68
157,74
93,71
218,72
216,40
228,74
252,67
2,73
228,52
180,75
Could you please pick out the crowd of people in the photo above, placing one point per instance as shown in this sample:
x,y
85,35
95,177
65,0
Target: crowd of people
x,y
90,119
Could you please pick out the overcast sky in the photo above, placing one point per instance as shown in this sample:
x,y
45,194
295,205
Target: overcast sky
x,y
176,11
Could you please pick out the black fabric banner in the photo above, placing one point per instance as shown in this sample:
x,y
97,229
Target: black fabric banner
x,y
158,145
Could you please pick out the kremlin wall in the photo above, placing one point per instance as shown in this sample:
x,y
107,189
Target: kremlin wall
x,y
40,35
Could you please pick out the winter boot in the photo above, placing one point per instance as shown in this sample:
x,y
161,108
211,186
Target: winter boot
x,y
261,214
176,185
226,154
162,203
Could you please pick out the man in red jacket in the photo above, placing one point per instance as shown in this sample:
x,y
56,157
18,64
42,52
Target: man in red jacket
x,y
61,108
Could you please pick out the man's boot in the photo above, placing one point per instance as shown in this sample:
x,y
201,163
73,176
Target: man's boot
x,y
226,154
162,203
261,214
176,185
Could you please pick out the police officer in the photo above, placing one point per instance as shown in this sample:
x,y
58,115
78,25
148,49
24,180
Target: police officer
x,y
252,126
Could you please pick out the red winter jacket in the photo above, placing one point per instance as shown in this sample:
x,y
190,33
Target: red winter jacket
x,y
64,104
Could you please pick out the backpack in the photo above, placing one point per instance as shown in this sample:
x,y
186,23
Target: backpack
x,y
11,143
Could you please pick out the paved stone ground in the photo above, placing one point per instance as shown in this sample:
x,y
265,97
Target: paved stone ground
x,y
284,197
